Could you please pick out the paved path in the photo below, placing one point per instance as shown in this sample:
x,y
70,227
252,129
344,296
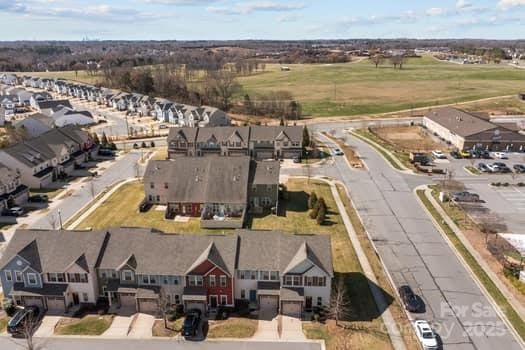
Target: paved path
x,y
142,326
292,329
267,327
47,327
119,327
416,254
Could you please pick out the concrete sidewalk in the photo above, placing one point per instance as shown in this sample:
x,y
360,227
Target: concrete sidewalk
x,y
119,327
47,327
142,326
292,329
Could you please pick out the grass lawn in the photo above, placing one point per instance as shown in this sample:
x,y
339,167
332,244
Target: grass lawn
x,y
482,276
232,328
87,325
123,206
174,328
473,170
368,136
359,88
80,76
161,154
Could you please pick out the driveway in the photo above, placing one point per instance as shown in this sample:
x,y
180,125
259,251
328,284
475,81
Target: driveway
x,y
292,329
142,326
267,329
47,327
119,327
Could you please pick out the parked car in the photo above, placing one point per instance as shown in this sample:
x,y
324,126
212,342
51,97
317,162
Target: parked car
x,y
163,126
519,168
503,168
39,198
465,154
500,155
456,155
425,335
439,154
480,154
410,300
191,323
144,207
14,211
338,152
297,160
483,168
465,196
17,325
105,152
493,168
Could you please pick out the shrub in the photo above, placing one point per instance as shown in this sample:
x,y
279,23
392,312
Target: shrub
x,y
520,184
314,212
321,215
312,201
152,144
505,184
144,145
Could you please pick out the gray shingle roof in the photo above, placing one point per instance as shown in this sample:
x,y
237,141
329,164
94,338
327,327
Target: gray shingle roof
x,y
224,133
202,179
266,172
55,251
270,250
182,134
166,254
271,133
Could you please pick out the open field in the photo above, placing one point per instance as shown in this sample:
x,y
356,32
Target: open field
x,y
359,88
80,76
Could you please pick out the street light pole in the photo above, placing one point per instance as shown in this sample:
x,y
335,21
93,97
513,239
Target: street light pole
x,y
60,218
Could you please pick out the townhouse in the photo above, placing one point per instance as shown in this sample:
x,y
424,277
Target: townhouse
x,y
12,191
218,190
140,269
54,270
53,154
259,142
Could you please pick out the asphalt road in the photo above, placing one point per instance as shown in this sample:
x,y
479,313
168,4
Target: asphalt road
x,y
155,344
415,252
123,168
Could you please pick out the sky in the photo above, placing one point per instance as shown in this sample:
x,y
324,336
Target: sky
x,y
259,19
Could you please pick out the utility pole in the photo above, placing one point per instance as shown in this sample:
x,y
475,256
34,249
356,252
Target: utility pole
x,y
60,218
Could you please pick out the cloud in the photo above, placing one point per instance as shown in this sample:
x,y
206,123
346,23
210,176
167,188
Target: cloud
x,y
288,18
181,2
507,4
463,4
436,11
255,6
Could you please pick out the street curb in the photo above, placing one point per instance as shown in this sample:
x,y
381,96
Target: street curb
x,y
467,266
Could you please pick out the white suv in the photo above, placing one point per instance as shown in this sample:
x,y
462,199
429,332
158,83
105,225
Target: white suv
x,y
439,154
425,335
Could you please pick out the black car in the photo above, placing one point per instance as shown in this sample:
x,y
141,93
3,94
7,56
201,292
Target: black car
x,y
505,170
519,168
483,168
191,323
106,152
455,155
30,316
411,301
39,198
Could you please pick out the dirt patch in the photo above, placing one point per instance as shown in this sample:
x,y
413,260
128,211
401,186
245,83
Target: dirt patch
x,y
408,138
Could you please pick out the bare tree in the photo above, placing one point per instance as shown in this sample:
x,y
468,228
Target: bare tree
x,y
164,306
136,166
398,61
52,220
377,59
30,325
339,305
221,86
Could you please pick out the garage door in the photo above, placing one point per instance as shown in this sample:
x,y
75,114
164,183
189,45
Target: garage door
x,y
195,305
290,155
56,305
268,303
264,155
291,309
127,300
34,301
148,306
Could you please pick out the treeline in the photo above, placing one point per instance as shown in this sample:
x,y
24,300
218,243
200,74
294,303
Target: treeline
x,y
489,54
278,104
314,56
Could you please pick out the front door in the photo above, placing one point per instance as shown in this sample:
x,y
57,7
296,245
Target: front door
x,y
253,295
75,299
213,301
308,303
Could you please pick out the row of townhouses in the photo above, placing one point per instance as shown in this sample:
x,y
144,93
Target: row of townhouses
x,y
221,191
12,191
141,269
259,142
40,160
161,109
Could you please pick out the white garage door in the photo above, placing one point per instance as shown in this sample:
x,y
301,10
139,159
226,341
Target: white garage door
x,y
200,305
56,304
148,306
268,303
264,155
291,154
291,309
127,300
34,301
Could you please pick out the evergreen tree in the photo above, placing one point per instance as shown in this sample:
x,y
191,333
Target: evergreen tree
x,y
104,140
306,137
312,201
95,138
281,123
321,215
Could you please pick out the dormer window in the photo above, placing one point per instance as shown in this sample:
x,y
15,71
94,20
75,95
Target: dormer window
x,y
31,279
127,275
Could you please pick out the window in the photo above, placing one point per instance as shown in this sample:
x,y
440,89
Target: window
x,y
85,297
240,274
224,299
177,299
152,279
165,185
165,280
127,275
212,281
274,275
195,281
243,294
114,274
315,281
265,275
288,280
158,198
253,275
18,276
175,280
57,277
319,301
223,281
31,279
151,185
8,276
103,274
296,280
77,277
145,279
